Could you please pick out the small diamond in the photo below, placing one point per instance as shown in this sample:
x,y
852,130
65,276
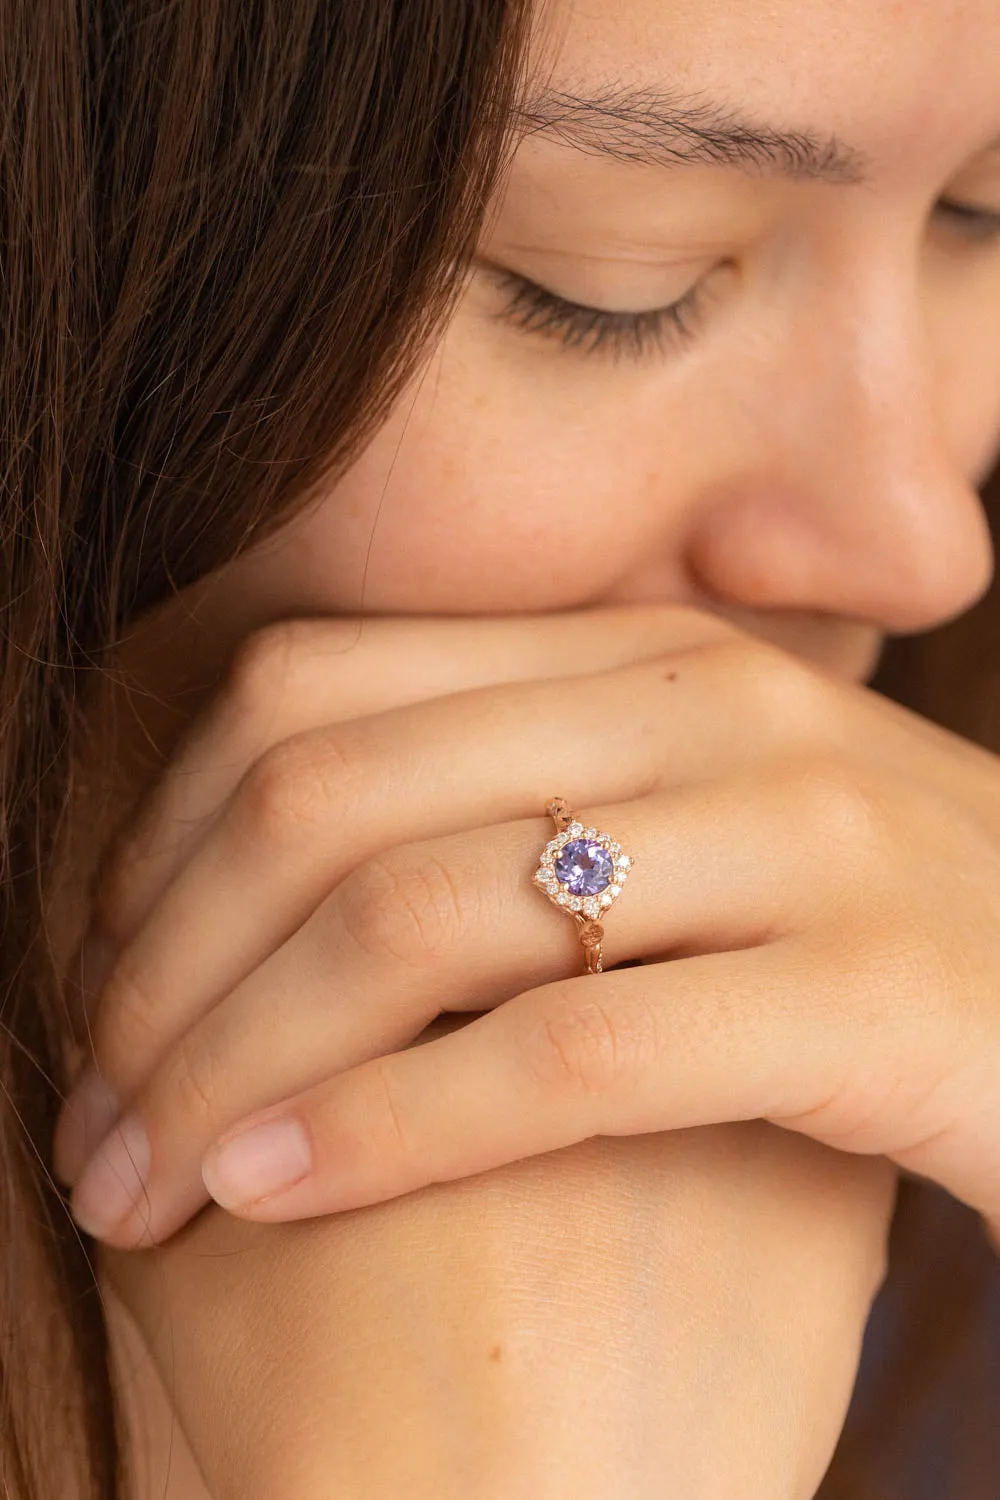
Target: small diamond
x,y
625,862
575,904
573,831
562,898
590,833
590,907
607,899
543,874
615,848
614,890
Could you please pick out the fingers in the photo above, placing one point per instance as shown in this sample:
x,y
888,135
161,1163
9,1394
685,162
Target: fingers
x,y
299,674
721,1037
661,1047
440,925
318,805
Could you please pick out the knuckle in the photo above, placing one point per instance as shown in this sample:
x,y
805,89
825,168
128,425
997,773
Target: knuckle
x,y
847,817
589,1049
770,685
295,785
407,904
280,663
258,670
192,1084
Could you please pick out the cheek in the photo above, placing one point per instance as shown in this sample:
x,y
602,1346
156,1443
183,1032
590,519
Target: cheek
x,y
476,497
972,410
962,329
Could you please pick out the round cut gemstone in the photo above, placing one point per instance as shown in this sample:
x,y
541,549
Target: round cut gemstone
x,y
584,867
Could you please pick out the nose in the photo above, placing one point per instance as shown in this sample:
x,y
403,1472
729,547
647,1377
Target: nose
x,y
844,494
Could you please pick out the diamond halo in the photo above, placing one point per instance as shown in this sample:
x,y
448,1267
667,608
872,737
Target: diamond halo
x,y
587,879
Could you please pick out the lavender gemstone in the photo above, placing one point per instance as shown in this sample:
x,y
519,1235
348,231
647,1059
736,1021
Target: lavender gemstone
x,y
583,867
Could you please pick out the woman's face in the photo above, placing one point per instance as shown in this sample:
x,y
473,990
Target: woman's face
x,y
732,339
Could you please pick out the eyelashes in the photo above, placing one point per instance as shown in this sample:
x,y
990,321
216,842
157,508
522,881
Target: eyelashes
x,y
593,330
976,223
661,331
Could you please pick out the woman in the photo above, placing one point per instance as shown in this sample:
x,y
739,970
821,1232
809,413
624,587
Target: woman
x,y
242,213
788,253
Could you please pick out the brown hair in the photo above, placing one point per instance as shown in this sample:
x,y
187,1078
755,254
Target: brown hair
x,y
228,227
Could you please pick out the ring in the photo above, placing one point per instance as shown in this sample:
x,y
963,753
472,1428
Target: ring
x,y
582,871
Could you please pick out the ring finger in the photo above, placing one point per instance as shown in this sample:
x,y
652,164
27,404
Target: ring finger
x,y
449,923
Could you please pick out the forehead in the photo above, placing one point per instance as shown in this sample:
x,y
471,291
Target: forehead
x,y
903,81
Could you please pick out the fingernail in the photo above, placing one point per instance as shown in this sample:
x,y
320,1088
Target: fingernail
x,y
90,1110
114,1180
257,1161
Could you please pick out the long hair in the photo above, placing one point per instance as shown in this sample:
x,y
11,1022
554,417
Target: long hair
x,y
227,227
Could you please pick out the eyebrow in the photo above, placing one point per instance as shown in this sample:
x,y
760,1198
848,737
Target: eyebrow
x,y
657,129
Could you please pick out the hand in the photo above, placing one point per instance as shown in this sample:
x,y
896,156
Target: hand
x,y
293,694
688,1304
770,1249
814,908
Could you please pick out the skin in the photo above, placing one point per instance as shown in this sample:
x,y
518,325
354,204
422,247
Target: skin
x,y
578,1325
805,467
725,1275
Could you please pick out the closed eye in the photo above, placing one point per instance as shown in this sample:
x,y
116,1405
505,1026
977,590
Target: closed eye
x,y
971,219
594,330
